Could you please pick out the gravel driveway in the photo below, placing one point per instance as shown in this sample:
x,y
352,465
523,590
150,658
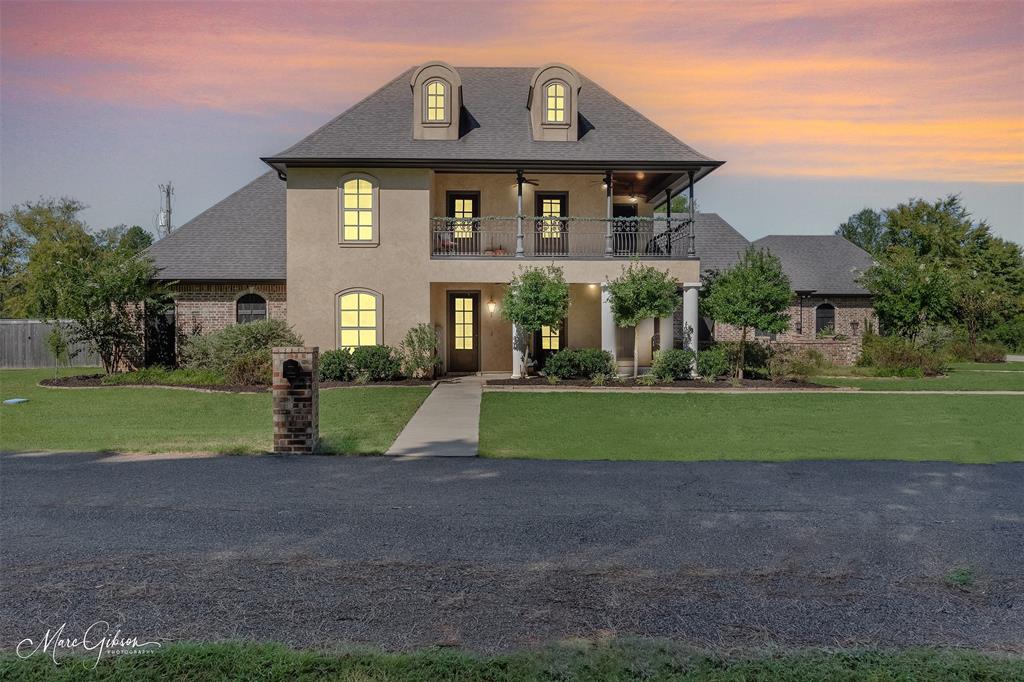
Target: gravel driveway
x,y
497,555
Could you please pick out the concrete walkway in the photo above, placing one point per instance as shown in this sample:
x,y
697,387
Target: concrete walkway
x,y
447,423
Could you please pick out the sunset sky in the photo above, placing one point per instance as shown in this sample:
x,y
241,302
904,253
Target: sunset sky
x,y
819,108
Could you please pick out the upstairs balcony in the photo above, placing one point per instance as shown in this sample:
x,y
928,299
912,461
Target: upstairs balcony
x,y
547,237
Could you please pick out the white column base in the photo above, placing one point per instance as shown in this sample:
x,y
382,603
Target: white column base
x,y
691,316
666,332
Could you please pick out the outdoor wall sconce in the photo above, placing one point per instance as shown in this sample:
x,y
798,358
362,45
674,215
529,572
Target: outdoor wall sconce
x,y
491,306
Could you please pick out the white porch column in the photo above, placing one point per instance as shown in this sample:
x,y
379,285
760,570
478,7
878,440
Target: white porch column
x,y
517,356
691,316
666,331
607,322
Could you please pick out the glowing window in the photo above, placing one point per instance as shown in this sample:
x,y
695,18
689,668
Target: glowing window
x,y
436,110
463,212
358,318
551,207
463,323
550,338
357,210
554,103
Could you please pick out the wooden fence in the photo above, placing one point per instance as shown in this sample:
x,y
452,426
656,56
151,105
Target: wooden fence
x,y
23,345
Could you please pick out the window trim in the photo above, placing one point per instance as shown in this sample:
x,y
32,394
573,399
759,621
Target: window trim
x,y
567,107
424,114
379,310
266,306
816,308
374,211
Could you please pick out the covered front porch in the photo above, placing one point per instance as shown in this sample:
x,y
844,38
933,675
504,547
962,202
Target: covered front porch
x,y
475,338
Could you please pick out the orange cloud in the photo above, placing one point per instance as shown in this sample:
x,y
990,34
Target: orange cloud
x,y
913,90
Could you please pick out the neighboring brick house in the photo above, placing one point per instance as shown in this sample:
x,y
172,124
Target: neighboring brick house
x,y
418,203
830,310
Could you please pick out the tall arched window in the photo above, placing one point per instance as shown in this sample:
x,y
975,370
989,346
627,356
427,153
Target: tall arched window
x,y
359,319
359,210
435,106
825,319
250,308
555,102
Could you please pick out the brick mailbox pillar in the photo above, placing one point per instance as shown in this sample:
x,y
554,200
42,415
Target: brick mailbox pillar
x,y
296,399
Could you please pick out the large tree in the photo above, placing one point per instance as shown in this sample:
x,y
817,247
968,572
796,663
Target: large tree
x,y
535,297
132,239
866,229
13,247
640,293
753,294
910,293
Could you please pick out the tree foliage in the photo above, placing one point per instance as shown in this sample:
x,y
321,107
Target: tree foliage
x,y
640,293
753,294
535,297
866,229
939,266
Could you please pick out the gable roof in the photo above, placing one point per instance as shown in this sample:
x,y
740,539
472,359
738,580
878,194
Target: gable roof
x,y
242,237
718,244
825,264
497,125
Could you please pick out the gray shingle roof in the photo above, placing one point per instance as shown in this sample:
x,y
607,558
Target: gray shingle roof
x,y
718,244
380,127
241,237
826,264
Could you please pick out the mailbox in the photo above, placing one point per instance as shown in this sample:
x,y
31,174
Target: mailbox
x,y
291,370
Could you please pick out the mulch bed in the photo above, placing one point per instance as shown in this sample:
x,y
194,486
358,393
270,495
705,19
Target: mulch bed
x,y
540,382
96,381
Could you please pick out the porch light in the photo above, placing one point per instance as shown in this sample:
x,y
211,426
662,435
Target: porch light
x,y
491,306
640,175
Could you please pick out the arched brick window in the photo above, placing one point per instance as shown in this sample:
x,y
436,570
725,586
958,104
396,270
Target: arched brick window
x,y
825,318
250,308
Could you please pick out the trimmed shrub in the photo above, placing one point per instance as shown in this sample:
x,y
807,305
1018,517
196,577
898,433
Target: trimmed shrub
x,y
219,350
253,368
378,363
580,363
896,356
672,364
713,362
419,352
336,365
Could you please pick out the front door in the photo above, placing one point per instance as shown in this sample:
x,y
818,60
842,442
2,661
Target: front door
x,y
464,332
552,231
463,216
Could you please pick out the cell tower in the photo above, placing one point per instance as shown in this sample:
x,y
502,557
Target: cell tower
x,y
166,192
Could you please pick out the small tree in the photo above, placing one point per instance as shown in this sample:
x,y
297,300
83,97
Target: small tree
x,y
641,292
105,299
909,292
57,342
535,297
753,294
977,303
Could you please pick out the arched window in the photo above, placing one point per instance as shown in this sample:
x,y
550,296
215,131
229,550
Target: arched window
x,y
825,319
250,308
435,106
359,319
359,210
555,102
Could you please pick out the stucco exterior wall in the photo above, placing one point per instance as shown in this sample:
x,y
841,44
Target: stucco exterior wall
x,y
400,267
203,307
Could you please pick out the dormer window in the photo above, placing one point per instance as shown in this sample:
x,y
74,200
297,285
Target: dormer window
x,y
555,102
436,105
436,90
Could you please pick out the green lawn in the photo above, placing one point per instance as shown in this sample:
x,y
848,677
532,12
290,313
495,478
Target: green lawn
x,y
770,427
967,376
352,420
615,660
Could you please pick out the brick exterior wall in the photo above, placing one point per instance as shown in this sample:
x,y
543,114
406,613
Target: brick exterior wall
x,y
853,315
203,307
296,401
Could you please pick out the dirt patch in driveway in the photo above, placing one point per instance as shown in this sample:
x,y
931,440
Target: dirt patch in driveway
x,y
306,602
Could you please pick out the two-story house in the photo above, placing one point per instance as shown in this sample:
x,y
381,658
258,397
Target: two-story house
x,y
419,203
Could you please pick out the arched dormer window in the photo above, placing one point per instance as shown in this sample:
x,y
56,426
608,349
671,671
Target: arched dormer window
x,y
435,106
825,319
359,318
358,198
250,308
436,101
556,102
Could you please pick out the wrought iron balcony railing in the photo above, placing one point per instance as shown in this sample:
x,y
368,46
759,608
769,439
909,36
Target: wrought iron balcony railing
x,y
561,237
